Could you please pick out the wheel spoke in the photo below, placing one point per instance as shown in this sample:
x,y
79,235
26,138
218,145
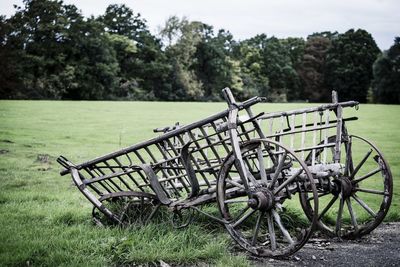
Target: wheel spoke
x,y
251,177
245,217
287,181
283,229
156,208
364,205
236,201
352,214
243,211
261,165
372,191
327,207
278,170
360,164
124,211
349,168
235,184
319,195
362,178
257,228
271,231
339,215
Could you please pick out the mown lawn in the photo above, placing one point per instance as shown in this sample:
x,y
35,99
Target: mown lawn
x,y
46,221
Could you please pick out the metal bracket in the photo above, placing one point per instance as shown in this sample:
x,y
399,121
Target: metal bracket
x,y
185,156
155,184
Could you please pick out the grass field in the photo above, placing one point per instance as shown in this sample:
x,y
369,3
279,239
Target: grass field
x,y
46,221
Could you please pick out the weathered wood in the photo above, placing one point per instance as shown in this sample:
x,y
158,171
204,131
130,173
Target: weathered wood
x,y
233,157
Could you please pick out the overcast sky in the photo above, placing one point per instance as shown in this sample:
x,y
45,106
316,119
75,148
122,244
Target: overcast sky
x,y
246,18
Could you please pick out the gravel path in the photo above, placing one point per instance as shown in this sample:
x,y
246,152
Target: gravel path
x,y
380,248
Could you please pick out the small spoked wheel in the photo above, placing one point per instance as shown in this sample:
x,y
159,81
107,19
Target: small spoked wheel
x,y
127,208
260,211
356,200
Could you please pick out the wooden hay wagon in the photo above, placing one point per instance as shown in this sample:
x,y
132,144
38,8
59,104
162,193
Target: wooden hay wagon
x,y
274,176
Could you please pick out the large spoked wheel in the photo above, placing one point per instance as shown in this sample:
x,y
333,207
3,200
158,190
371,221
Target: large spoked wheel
x,y
127,208
260,211
355,201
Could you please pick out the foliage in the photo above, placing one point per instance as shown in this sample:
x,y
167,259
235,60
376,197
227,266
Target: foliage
x,y
386,83
49,50
181,56
279,68
311,69
214,66
32,51
349,64
248,54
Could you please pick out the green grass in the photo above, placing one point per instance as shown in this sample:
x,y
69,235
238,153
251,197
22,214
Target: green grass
x,y
46,221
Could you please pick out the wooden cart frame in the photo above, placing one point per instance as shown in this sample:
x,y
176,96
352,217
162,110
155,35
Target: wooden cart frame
x,y
274,176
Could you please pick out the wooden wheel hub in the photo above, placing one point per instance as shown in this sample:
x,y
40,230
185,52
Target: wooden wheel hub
x,y
262,200
344,185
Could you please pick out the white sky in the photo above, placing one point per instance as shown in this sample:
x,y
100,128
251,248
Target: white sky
x,y
246,18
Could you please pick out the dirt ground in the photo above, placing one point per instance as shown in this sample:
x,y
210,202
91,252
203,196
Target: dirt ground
x,y
380,248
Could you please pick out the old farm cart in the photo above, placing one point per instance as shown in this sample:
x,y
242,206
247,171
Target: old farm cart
x,y
274,176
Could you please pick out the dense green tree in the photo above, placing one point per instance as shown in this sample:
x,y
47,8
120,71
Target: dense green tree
x,y
49,50
349,64
386,69
152,69
268,66
121,20
201,60
33,46
182,56
279,69
171,31
312,69
214,67
10,67
326,34
248,54
143,67
55,53
295,47
95,66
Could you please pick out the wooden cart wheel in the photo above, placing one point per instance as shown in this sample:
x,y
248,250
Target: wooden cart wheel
x,y
356,201
264,217
127,208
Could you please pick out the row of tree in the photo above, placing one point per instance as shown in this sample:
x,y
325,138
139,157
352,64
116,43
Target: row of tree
x,y
48,50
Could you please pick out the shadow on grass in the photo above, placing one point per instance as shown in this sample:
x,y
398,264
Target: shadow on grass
x,y
203,240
